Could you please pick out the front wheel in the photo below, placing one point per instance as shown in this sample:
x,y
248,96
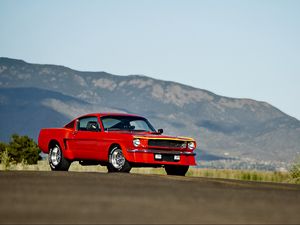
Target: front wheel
x,y
57,161
117,161
176,170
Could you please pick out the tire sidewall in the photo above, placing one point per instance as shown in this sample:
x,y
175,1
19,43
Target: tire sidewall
x,y
111,168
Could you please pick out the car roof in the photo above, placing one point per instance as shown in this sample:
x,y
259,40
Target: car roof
x,y
108,114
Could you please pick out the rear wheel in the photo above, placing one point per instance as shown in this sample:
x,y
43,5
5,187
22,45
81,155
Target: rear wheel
x,y
57,161
117,161
176,170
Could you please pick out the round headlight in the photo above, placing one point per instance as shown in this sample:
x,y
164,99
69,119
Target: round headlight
x,y
136,142
191,145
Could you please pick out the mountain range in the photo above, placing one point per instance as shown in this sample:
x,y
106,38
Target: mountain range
x,y
33,96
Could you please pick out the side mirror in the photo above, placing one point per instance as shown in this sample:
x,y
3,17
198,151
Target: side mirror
x,y
160,131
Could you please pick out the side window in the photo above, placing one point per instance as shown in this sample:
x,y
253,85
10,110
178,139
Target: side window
x,y
88,124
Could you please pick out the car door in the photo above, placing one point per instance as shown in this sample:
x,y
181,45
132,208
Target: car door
x,y
86,140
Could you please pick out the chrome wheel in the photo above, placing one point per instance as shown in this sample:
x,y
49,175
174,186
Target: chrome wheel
x,y
55,156
117,158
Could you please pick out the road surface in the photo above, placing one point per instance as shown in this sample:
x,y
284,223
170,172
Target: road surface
x,y
90,197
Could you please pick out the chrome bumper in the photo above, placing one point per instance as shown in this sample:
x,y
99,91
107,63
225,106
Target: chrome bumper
x,y
160,151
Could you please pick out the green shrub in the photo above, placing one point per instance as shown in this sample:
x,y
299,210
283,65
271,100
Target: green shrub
x,y
295,172
20,149
246,175
5,159
2,148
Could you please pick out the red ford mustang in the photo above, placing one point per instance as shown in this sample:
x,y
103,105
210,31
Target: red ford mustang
x,y
118,141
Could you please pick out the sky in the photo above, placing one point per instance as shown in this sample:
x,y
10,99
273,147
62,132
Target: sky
x,y
243,49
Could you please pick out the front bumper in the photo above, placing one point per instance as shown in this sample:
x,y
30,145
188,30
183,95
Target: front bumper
x,y
147,156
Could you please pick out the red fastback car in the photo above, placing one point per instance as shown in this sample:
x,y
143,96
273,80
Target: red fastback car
x,y
118,141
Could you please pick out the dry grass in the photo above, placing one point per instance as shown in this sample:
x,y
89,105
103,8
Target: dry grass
x,y
250,175
266,176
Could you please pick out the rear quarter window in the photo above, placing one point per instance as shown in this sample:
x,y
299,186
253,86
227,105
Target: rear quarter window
x,y
70,125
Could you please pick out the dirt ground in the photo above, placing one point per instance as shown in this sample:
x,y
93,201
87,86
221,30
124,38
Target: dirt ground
x,y
84,197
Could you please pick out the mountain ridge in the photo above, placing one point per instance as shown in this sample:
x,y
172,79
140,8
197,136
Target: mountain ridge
x,y
20,61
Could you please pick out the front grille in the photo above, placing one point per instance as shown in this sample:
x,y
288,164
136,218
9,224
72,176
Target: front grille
x,y
166,143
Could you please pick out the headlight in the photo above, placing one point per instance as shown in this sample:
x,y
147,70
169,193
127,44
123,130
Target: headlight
x,y
191,145
136,142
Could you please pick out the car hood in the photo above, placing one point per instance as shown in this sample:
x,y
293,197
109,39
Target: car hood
x,y
146,135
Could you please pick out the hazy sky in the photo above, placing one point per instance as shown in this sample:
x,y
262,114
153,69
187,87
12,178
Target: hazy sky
x,y
245,49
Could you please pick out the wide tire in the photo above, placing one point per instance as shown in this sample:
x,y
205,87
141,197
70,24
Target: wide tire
x,y
57,161
117,161
176,170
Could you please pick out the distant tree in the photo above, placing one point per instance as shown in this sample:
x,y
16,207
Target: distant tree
x,y
23,149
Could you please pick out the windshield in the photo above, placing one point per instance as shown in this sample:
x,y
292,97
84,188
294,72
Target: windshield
x,y
130,123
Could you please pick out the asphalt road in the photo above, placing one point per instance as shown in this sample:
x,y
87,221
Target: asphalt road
x,y
84,197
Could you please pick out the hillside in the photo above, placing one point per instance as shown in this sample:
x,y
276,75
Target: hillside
x,y
50,95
